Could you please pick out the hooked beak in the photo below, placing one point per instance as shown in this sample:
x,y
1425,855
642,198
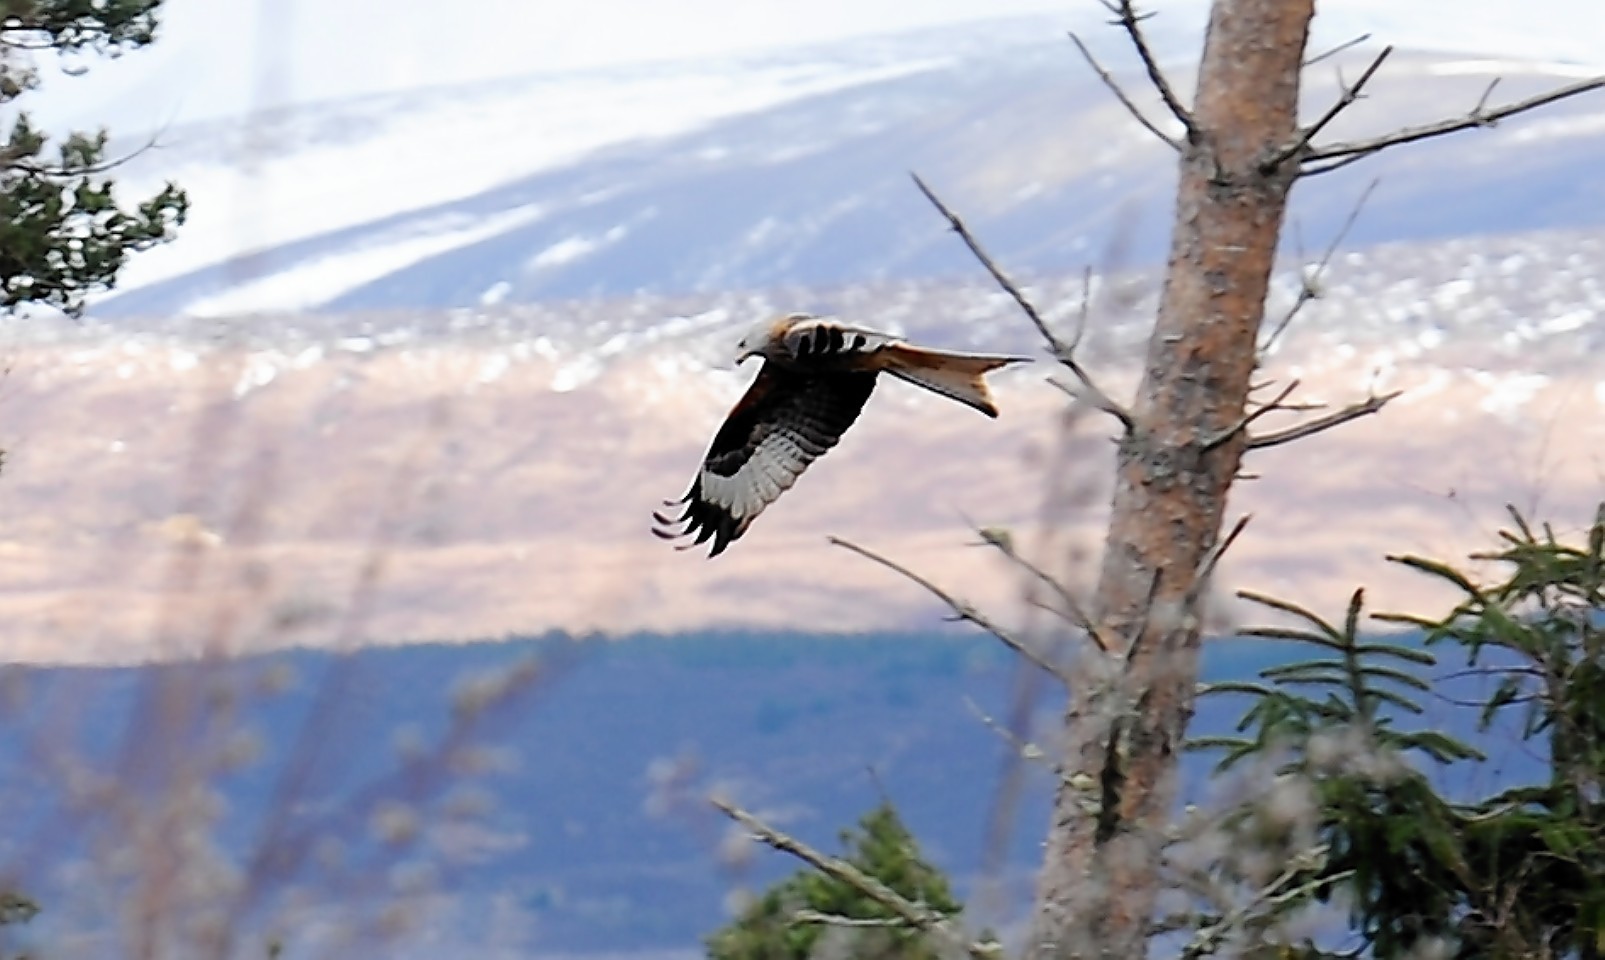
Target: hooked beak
x,y
743,355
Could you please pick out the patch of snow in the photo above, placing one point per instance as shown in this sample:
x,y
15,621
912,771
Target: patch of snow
x,y
575,374
260,370
1435,383
310,284
1506,68
493,367
255,189
1507,395
570,249
495,293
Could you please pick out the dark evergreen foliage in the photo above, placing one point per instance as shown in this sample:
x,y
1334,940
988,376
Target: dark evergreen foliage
x,y
64,231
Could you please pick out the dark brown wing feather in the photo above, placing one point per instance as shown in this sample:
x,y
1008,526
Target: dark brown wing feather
x,y
783,423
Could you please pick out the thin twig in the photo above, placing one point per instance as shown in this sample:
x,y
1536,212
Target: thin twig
x,y
837,920
11,161
1336,418
1062,351
1316,170
1310,283
1072,607
1206,567
1350,93
1247,419
962,609
1345,45
1127,18
1120,94
1084,310
1025,749
916,915
1480,116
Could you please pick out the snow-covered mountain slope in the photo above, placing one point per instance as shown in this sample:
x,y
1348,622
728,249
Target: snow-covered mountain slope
x,y
786,169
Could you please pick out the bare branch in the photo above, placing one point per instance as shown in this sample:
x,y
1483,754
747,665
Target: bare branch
x,y
1206,567
1062,351
1310,283
837,920
1346,99
1247,419
1120,94
962,609
1317,170
1345,45
915,915
1024,748
1128,19
1084,310
1480,116
63,171
1076,613
1336,418
1482,101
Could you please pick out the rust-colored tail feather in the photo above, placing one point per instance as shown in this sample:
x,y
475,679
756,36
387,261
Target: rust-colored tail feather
x,y
958,376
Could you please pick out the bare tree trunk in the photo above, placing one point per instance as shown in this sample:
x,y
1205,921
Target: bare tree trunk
x,y
1176,466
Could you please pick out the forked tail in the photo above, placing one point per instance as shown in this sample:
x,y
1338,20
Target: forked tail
x,y
960,376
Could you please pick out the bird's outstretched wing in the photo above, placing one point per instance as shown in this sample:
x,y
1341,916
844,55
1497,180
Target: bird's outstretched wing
x,y
783,423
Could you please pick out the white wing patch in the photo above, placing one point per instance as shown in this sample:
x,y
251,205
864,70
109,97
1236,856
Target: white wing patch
x,y
822,337
771,470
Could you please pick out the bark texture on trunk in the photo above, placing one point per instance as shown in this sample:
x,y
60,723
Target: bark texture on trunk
x,y
1124,727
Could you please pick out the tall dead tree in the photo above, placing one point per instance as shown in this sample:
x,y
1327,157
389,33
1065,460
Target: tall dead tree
x,y
1176,463
1241,150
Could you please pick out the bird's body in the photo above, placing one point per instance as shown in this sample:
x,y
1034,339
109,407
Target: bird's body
x,y
816,377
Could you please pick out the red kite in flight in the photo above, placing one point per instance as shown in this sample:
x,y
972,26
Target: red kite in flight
x,y
816,376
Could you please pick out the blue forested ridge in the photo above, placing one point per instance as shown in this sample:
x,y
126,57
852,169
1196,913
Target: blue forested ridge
x,y
807,729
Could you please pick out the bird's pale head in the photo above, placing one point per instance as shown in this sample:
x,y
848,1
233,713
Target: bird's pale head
x,y
765,336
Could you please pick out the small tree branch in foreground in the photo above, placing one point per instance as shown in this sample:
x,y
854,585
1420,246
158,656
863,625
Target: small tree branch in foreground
x,y
1127,18
1024,749
962,609
1479,116
1247,419
1350,93
1310,283
914,915
1063,352
1073,610
1336,418
1345,45
1120,94
837,920
1206,567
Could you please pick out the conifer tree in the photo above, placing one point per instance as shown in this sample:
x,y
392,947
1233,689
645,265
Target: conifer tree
x,y
64,231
